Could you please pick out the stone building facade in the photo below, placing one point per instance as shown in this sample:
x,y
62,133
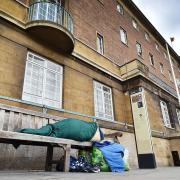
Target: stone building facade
x,y
98,59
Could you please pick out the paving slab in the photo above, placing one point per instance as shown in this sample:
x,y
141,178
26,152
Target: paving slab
x,y
169,173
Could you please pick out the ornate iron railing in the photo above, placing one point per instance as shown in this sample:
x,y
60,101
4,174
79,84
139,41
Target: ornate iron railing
x,y
52,12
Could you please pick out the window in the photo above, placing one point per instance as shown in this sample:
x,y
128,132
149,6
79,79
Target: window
x,y
165,114
178,115
139,49
179,67
157,46
46,11
135,24
161,68
147,37
165,55
120,8
123,35
170,76
178,82
43,81
173,62
151,58
103,101
100,44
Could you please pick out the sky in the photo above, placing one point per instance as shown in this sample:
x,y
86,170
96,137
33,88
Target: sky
x,y
165,16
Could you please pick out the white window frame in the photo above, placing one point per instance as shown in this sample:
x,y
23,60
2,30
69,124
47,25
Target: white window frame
x,y
157,46
165,114
178,115
99,88
100,43
123,36
46,11
26,95
165,55
147,36
120,8
178,82
135,24
139,49
170,76
161,68
151,58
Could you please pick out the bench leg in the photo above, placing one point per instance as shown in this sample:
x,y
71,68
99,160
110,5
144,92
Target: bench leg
x,y
67,158
49,157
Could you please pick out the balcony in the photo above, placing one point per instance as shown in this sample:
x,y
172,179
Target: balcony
x,y
51,23
136,68
132,69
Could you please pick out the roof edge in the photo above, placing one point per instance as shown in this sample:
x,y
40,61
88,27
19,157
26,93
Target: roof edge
x,y
143,19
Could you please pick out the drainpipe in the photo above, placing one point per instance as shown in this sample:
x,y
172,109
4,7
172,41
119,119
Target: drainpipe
x,y
172,69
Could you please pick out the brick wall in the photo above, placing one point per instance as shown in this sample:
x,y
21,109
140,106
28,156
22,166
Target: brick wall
x,y
91,17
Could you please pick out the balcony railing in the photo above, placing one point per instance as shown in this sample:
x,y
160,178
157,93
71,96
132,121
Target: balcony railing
x,y
161,83
52,12
136,67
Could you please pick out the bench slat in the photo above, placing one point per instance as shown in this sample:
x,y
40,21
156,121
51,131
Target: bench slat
x,y
7,135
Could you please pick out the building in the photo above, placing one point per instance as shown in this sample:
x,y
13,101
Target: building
x,y
98,59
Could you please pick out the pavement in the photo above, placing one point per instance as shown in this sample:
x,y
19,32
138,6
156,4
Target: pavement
x,y
166,173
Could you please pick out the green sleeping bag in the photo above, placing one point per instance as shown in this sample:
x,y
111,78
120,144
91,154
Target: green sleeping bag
x,y
68,128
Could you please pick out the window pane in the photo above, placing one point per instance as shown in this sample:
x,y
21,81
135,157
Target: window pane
x,y
147,36
178,115
157,46
33,80
123,35
135,24
43,81
165,114
161,68
52,86
120,8
103,101
151,59
139,49
100,44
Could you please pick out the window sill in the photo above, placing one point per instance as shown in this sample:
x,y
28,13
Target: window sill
x,y
140,56
124,44
103,119
147,40
153,66
137,29
122,14
171,128
115,125
102,54
23,4
158,51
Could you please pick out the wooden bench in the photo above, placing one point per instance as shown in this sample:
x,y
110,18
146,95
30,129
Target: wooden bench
x,y
12,118
15,138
